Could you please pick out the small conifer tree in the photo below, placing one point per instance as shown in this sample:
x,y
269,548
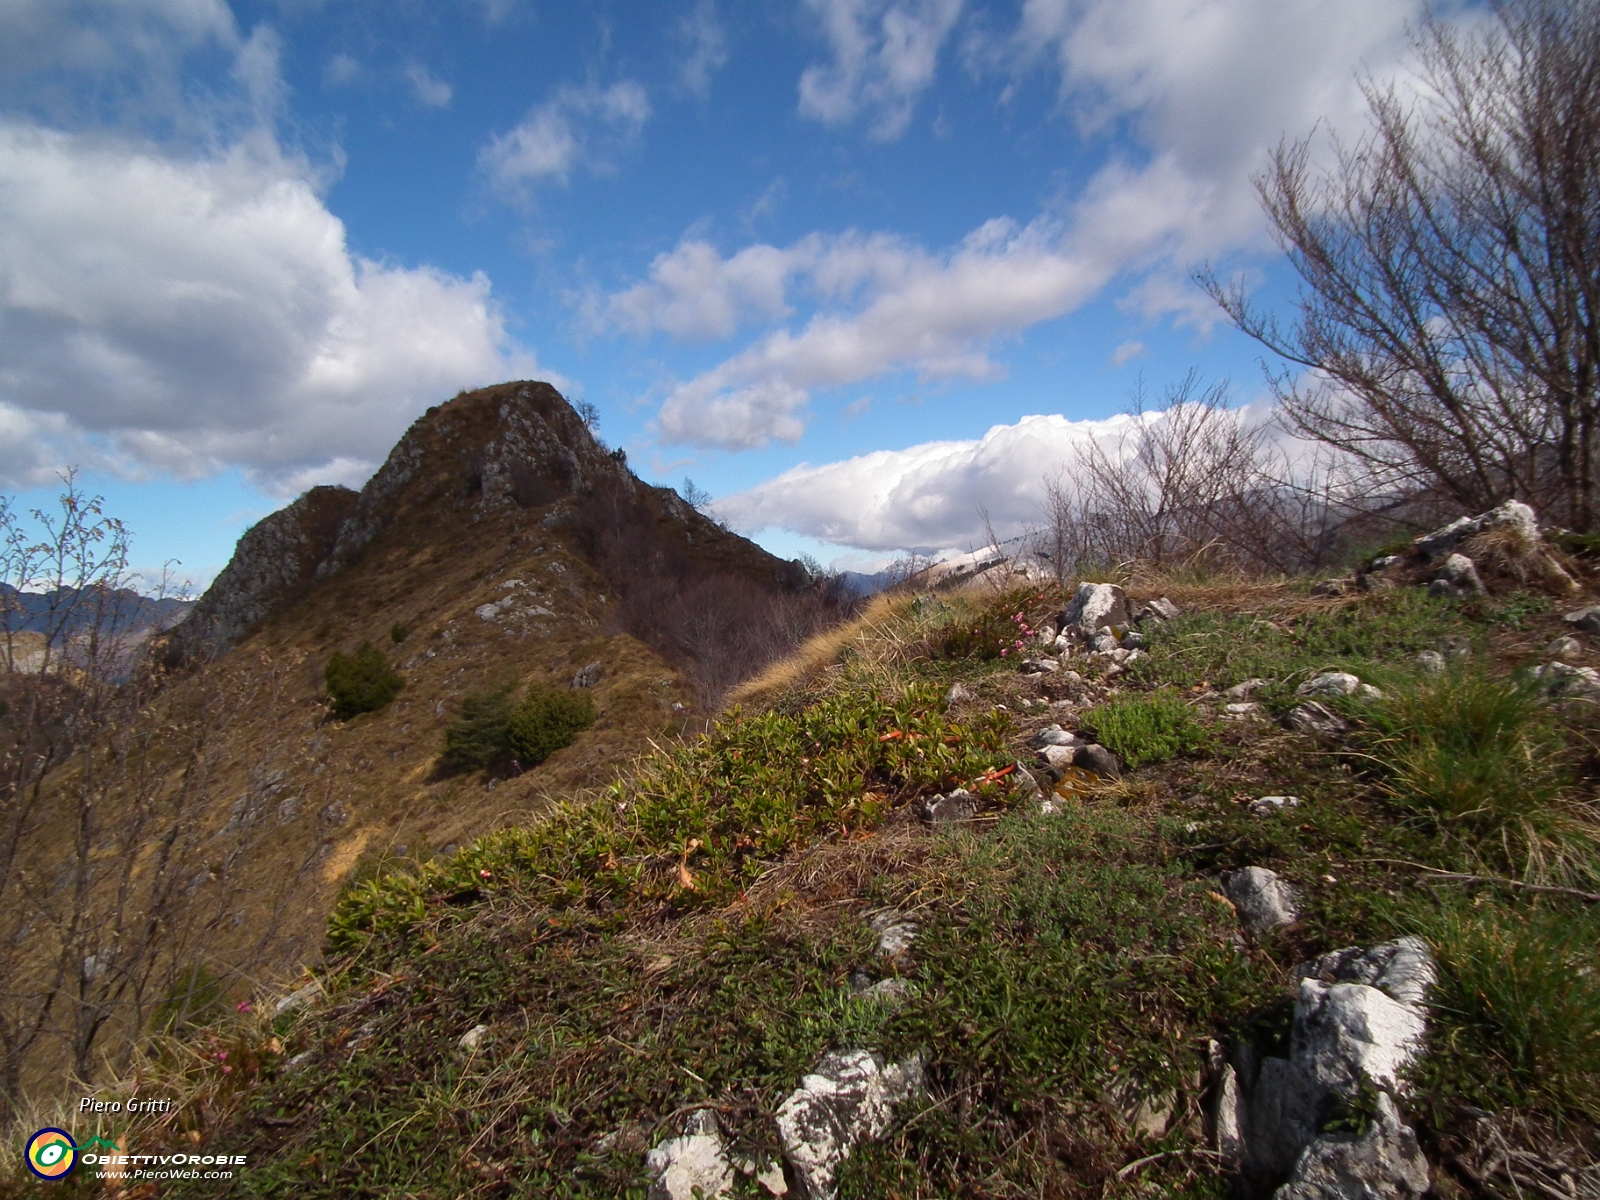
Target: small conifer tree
x,y
362,682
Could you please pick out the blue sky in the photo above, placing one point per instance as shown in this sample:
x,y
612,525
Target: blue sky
x,y
857,267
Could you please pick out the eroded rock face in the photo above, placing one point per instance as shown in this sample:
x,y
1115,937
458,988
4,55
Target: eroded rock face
x,y
275,561
848,1099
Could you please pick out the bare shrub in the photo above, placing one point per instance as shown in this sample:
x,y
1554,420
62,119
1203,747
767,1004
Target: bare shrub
x,y
1448,314
1191,482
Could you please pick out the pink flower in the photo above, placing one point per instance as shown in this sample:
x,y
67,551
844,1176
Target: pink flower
x,y
246,1006
227,1070
484,873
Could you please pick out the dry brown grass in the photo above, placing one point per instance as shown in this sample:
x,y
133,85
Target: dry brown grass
x,y
872,636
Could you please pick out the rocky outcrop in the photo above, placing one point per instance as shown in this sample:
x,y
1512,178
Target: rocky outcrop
x,y
481,456
275,562
1325,1118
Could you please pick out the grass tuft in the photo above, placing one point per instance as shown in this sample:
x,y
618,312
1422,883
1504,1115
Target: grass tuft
x,y
1520,989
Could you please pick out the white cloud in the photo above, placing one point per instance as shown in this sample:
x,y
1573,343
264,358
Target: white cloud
x,y
707,47
1126,352
341,71
694,293
925,497
576,127
884,56
1207,86
183,314
887,307
429,90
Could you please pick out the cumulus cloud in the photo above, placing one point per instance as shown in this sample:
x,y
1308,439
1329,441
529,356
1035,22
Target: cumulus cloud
x,y
429,90
884,306
884,56
577,127
707,46
938,496
1207,87
186,313
925,497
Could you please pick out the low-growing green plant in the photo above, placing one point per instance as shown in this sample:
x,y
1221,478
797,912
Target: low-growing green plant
x,y
547,720
1519,988
1221,649
481,731
1150,728
699,821
360,682
398,633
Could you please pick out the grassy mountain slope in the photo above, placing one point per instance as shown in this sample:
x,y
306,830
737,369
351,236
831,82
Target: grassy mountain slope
x,y
689,937
500,544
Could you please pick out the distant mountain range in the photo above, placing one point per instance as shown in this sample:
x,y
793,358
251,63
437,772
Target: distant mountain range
x,y
68,612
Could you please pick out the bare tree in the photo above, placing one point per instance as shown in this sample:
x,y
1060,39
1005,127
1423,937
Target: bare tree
x,y
120,854
1449,309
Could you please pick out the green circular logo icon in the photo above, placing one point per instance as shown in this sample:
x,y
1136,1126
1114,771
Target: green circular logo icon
x,y
52,1154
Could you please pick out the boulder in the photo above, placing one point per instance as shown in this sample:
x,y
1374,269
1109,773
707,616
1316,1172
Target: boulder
x,y
1564,647
1054,735
1099,760
1156,611
849,1098
472,1040
1316,721
1265,806
1587,619
1241,691
1431,662
1334,587
959,693
1513,515
1359,1022
1263,901
1564,679
1095,606
955,808
304,997
1382,1163
587,676
895,933
1038,666
694,1166
1330,683
1457,578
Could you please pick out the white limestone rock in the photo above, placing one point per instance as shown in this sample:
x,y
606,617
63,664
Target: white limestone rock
x,y
694,1166
848,1099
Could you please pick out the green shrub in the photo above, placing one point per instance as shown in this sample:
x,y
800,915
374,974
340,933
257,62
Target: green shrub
x,y
1146,729
548,720
362,682
481,733
398,633
1521,989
